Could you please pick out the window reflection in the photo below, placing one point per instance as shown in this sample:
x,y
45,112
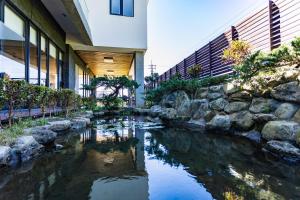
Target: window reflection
x,y
53,75
116,7
33,70
61,64
12,54
128,8
43,61
80,80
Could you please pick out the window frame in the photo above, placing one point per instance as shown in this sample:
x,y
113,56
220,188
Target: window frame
x,y
28,22
122,9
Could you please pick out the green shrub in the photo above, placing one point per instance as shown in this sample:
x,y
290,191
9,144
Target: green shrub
x,y
89,103
237,52
31,96
14,92
67,99
52,100
194,71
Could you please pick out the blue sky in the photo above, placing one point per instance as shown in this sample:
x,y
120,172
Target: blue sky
x,y
176,28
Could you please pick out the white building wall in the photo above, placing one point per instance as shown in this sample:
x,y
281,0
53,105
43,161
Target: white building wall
x,y
118,31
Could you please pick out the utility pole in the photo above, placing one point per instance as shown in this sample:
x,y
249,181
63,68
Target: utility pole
x,y
152,68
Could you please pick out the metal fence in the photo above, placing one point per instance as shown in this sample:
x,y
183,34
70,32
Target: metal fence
x,y
275,24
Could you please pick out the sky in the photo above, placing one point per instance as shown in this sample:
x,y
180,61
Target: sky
x,y
177,28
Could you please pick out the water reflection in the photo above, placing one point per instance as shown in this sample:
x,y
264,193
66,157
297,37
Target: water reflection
x,y
127,159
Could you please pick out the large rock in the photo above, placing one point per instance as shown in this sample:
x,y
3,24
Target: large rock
x,y
241,96
263,118
287,92
174,100
215,95
231,88
283,149
220,122
43,136
216,89
27,147
262,105
242,120
280,130
286,110
201,93
198,108
218,104
184,109
5,155
155,110
236,107
80,123
168,114
253,136
296,117
58,126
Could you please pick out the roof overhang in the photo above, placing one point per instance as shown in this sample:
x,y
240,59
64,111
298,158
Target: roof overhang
x,y
71,17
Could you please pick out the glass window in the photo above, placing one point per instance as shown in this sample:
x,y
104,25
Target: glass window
x,y
53,75
61,65
115,7
12,54
80,80
33,68
122,7
128,7
43,80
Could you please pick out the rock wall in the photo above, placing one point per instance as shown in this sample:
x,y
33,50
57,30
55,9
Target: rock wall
x,y
266,110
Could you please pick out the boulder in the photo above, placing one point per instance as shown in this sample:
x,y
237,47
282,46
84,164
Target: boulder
x,y
184,109
231,88
286,111
198,108
58,126
280,130
242,120
5,155
253,136
283,149
27,147
209,115
213,96
218,104
263,118
80,123
236,107
262,105
139,111
43,136
174,100
296,117
155,110
168,114
287,92
241,96
220,122
216,89
201,93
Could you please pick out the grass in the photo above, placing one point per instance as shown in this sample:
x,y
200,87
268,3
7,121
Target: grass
x,y
9,134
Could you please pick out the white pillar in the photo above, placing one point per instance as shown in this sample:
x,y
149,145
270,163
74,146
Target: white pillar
x,y
139,78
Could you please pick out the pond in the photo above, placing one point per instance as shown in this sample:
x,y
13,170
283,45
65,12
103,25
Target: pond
x,y
136,160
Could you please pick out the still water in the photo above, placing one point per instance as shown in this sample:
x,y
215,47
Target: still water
x,y
127,159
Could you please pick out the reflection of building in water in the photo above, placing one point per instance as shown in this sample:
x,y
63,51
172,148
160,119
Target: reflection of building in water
x,y
118,159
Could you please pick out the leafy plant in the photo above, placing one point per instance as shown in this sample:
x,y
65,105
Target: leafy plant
x,y
89,103
194,71
67,96
31,96
152,79
53,99
237,52
2,97
43,99
15,95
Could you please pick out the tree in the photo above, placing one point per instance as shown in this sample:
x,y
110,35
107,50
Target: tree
x,y
43,98
2,97
152,79
67,99
194,71
31,97
53,98
114,84
237,52
14,94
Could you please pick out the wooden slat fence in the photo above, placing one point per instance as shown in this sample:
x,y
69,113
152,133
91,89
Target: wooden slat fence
x,y
276,24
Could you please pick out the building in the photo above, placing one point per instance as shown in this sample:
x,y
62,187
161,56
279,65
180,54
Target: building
x,y
64,43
